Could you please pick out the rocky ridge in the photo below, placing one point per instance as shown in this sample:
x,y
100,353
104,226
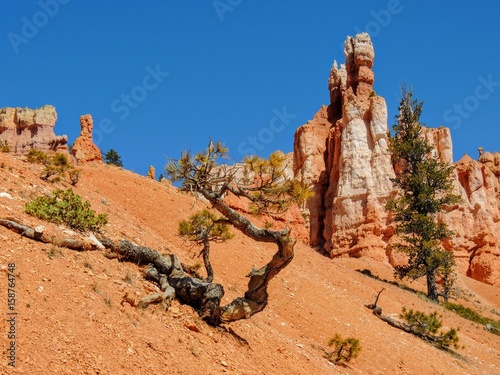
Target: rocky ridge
x,y
343,153
24,129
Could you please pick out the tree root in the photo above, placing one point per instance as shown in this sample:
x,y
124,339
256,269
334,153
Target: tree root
x,y
166,270
174,282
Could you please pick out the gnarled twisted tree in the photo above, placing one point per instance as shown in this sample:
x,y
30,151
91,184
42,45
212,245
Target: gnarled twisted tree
x,y
264,183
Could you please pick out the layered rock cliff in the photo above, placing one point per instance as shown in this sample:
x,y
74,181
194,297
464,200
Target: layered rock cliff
x,y
24,129
343,153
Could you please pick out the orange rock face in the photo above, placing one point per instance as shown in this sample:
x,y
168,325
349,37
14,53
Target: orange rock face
x,y
476,220
24,129
84,149
343,153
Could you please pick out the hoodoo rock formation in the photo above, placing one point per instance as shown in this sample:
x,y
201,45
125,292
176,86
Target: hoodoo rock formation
x,y
24,129
152,172
84,149
343,153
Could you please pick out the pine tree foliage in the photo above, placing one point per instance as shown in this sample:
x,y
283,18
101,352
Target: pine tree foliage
x,y
425,189
202,228
345,350
112,157
428,325
268,188
205,226
262,181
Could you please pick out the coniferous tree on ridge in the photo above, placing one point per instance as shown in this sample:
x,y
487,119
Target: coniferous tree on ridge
x,y
424,189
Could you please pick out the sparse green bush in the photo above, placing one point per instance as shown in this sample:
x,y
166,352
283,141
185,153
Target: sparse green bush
x,y
74,176
55,166
129,279
55,252
60,160
37,156
427,326
66,207
344,349
4,146
472,315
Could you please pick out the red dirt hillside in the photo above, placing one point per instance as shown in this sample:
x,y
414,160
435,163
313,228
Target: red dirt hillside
x,y
72,317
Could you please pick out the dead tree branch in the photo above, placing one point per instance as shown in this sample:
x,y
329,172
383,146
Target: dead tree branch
x,y
37,234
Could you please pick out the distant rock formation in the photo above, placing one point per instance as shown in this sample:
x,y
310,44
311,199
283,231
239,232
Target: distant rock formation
x,y
476,221
152,172
84,149
343,153
25,128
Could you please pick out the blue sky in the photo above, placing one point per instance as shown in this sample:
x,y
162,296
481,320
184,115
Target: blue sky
x,y
159,76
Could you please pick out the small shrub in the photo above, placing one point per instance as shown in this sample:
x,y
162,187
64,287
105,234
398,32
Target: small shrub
x,y
427,326
344,350
473,316
74,176
66,207
60,160
55,252
128,278
95,288
55,166
37,156
4,146
50,171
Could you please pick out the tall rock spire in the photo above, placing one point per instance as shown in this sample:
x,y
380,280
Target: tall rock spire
x,y
84,149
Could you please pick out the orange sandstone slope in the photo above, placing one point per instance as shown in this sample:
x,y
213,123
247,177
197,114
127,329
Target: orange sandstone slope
x,y
72,317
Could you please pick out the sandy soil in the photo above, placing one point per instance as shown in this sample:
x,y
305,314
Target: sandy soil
x,y
72,318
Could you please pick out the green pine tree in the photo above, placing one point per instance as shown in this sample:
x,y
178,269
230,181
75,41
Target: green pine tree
x,y
112,157
425,188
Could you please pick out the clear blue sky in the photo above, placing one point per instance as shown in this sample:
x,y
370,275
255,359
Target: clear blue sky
x,y
159,76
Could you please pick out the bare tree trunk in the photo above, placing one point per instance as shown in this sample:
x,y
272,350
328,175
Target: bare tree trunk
x,y
432,291
37,234
206,261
